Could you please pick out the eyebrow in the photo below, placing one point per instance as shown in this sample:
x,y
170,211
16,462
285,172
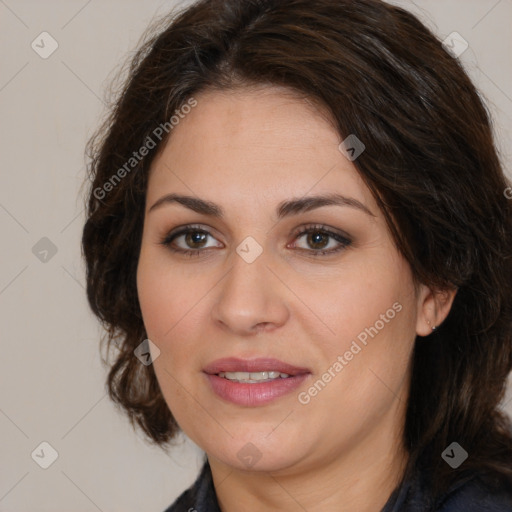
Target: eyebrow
x,y
284,209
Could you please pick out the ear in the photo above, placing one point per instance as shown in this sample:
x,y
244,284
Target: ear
x,y
433,308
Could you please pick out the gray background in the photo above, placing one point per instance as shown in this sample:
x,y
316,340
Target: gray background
x,y
52,379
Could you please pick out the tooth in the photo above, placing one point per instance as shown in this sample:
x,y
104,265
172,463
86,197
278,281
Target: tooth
x,y
252,377
258,375
236,375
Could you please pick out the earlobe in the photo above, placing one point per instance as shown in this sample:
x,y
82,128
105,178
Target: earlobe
x,y
433,308
432,327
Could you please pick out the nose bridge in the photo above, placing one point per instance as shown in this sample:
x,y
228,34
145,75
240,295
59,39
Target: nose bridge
x,y
249,293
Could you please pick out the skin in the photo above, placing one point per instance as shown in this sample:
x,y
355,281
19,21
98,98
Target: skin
x,y
247,151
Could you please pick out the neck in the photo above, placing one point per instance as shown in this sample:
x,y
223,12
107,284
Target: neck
x,y
359,480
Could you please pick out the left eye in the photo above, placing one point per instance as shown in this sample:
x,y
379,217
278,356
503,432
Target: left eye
x,y
322,241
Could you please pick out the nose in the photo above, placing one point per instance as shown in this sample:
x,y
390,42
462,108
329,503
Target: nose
x,y
250,298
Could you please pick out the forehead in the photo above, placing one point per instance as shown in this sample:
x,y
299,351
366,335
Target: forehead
x,y
263,141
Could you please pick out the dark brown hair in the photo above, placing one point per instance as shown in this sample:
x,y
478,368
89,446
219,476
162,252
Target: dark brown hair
x,y
430,162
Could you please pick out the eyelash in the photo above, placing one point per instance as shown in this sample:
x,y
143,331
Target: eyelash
x,y
316,228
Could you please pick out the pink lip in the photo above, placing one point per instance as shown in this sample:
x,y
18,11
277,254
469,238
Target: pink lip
x,y
251,395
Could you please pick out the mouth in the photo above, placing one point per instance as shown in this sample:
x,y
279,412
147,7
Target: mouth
x,y
253,369
252,382
253,377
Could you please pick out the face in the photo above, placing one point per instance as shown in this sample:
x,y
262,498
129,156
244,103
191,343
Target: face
x,y
248,279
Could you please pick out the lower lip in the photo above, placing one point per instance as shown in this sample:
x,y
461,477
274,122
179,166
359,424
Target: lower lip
x,y
252,395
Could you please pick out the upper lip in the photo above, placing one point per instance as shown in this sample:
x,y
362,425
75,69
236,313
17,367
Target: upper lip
x,y
263,364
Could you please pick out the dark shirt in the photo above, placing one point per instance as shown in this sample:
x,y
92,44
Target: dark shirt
x,y
469,496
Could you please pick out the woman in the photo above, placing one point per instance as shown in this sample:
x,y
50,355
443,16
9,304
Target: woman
x,y
299,238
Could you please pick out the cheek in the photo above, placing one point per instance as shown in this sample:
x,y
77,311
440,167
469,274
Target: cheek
x,y
372,314
367,379
166,297
170,319
173,309
152,289
342,303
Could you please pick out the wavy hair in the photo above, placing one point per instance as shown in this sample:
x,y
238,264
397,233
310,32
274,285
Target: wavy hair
x,y
430,162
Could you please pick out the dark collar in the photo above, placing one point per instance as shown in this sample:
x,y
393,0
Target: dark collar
x,y
470,495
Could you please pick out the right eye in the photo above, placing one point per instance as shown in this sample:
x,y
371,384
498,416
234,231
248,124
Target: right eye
x,y
188,240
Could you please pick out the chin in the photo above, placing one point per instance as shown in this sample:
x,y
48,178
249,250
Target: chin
x,y
258,452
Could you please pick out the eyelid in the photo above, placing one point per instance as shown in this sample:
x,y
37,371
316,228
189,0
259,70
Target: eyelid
x,y
183,229
305,228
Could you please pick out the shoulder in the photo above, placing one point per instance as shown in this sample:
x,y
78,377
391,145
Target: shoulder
x,y
200,497
477,496
474,494
184,503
